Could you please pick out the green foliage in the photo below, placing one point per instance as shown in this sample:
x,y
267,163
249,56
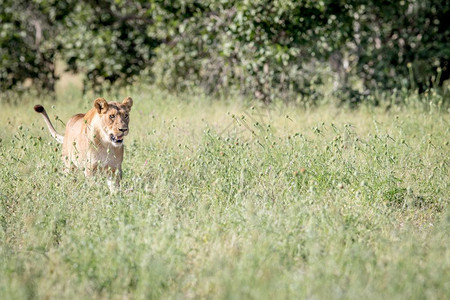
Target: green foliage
x,y
264,48
111,42
268,50
27,42
403,43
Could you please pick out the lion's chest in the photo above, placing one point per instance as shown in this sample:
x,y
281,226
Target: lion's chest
x,y
108,157
93,156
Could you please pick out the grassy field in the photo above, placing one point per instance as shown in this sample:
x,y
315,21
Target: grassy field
x,y
230,200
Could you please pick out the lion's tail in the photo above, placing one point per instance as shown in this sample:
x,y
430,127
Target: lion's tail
x,y
40,109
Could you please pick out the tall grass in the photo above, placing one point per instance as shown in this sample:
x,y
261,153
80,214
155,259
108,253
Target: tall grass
x,y
230,200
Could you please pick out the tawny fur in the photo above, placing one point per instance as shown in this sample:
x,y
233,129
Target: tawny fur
x,y
94,141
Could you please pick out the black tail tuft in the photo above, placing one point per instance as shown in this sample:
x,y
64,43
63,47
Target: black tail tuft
x,y
38,108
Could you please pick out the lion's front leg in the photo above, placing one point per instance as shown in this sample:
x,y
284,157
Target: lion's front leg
x,y
114,177
90,170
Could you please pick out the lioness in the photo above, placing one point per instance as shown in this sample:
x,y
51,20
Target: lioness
x,y
94,141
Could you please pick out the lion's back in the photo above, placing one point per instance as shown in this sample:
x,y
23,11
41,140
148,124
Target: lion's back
x,y
73,137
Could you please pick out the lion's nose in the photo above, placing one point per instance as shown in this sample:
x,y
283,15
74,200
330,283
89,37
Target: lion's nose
x,y
123,129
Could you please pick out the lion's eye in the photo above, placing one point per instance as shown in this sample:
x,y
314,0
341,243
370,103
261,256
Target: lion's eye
x,y
112,116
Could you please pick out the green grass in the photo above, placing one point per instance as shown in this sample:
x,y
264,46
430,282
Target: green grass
x,y
230,201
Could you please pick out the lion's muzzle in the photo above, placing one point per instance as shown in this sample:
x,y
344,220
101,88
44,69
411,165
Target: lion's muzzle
x,y
118,140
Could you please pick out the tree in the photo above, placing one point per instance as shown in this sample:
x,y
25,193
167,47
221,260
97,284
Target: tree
x,y
27,44
111,42
403,43
264,48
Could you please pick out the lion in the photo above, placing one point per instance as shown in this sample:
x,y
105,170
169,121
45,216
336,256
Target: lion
x,y
93,142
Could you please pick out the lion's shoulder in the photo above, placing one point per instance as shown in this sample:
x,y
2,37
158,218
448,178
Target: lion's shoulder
x,y
75,119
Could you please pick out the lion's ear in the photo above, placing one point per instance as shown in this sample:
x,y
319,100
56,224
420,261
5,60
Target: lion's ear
x,y
128,102
101,105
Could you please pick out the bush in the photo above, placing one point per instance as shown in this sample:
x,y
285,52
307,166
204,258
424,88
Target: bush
x,y
266,49
27,42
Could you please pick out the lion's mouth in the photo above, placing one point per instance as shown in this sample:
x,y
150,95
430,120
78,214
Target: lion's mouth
x,y
116,139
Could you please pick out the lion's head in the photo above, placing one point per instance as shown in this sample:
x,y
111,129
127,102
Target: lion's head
x,y
113,119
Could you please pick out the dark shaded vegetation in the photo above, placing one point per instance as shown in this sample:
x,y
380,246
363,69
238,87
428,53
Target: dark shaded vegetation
x,y
268,50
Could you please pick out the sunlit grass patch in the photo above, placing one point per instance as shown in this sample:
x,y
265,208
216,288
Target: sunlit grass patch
x,y
230,200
